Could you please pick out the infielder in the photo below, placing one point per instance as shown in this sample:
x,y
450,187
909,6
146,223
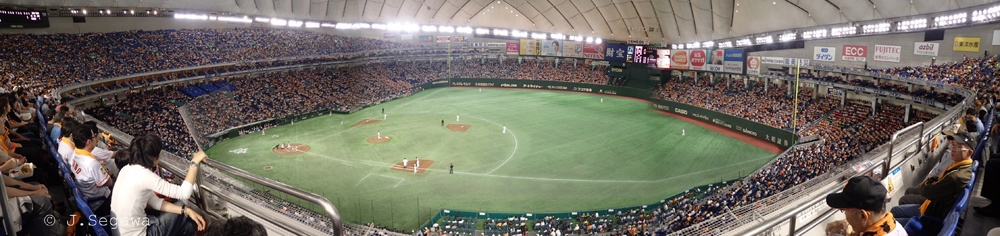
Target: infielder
x,y
379,134
416,163
384,116
405,162
683,132
457,118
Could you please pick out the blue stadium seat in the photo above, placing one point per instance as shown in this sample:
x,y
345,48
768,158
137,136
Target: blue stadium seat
x,y
950,224
963,201
914,227
70,181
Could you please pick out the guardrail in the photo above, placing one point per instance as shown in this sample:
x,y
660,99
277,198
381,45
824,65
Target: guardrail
x,y
884,164
176,165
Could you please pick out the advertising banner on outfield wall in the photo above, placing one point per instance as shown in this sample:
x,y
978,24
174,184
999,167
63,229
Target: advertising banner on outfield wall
x,y
443,39
698,59
572,48
615,52
592,51
459,39
513,48
824,53
753,65
889,53
531,47
679,59
966,44
552,48
663,58
925,48
406,36
996,37
389,35
854,53
426,39
733,60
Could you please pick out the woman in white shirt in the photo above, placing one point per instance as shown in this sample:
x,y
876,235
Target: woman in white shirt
x,y
136,188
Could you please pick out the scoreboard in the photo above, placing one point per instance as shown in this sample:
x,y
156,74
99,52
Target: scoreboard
x,y
24,19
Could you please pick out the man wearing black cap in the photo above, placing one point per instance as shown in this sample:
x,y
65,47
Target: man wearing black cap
x,y
942,191
863,203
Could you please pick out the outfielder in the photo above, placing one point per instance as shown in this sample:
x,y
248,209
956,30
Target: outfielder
x,y
683,132
384,116
504,129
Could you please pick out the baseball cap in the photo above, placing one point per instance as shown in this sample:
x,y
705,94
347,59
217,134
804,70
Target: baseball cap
x,y
961,137
861,192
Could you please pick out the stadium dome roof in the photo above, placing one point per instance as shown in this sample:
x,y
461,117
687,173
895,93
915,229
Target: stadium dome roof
x,y
655,20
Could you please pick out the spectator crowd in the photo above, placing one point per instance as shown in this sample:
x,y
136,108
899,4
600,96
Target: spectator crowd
x,y
39,63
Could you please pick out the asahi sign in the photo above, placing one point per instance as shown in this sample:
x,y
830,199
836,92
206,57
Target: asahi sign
x,y
889,53
926,49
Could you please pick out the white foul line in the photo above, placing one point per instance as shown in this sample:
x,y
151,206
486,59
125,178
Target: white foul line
x,y
363,179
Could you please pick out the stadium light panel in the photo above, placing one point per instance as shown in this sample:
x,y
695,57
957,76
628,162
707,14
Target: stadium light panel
x,y
345,26
295,23
85,11
429,28
312,24
279,22
843,31
465,30
598,40
589,40
328,25
949,20
411,27
538,35
446,29
500,32
234,19
786,37
875,28
379,26
726,44
394,27
557,36
190,16
708,44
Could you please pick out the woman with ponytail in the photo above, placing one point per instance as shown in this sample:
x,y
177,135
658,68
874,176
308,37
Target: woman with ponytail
x,y
134,191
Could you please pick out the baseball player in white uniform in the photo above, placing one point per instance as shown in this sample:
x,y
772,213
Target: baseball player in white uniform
x,y
683,132
504,129
405,161
457,118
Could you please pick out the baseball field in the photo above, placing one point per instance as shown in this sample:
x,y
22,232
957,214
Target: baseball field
x,y
561,152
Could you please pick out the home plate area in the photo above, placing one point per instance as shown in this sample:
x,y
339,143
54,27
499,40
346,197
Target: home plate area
x,y
424,165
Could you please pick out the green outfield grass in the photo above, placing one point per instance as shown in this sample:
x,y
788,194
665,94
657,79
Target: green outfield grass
x,y
564,152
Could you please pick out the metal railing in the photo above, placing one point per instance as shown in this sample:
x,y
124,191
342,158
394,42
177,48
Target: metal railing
x,y
176,165
936,124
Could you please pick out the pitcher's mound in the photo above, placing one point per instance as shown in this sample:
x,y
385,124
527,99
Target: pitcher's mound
x,y
365,122
376,139
424,164
294,148
459,127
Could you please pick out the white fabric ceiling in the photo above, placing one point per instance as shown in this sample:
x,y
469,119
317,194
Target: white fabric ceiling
x,y
670,20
